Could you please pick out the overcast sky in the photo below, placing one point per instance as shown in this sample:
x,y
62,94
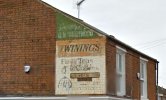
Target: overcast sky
x,y
139,23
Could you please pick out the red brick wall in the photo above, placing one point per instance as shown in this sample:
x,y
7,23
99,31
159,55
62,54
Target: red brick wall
x,y
110,67
129,73
133,64
132,68
27,36
151,80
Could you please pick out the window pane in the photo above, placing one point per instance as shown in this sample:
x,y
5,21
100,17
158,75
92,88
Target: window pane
x,y
119,80
120,63
143,82
142,70
120,75
142,90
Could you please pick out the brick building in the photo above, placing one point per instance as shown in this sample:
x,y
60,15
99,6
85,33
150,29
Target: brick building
x,y
67,56
161,93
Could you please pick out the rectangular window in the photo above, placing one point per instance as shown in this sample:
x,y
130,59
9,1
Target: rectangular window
x,y
143,78
120,72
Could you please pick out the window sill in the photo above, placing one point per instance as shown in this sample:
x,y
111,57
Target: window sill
x,y
143,98
120,94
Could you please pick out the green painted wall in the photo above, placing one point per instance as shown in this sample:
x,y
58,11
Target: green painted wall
x,y
69,29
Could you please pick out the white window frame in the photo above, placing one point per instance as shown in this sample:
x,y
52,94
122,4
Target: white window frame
x,y
120,73
160,96
143,78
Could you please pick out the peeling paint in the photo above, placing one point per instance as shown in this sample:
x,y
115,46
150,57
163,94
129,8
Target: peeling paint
x,y
79,70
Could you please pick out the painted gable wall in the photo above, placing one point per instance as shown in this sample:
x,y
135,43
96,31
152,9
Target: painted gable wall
x,y
80,59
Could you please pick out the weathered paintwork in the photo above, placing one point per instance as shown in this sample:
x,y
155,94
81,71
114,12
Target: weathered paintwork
x,y
80,66
67,28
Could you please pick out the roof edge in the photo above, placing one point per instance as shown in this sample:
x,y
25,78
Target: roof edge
x,y
97,30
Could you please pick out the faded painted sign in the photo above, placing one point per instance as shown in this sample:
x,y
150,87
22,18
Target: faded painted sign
x,y
80,66
67,28
85,75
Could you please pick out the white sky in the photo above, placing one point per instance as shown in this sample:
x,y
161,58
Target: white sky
x,y
139,23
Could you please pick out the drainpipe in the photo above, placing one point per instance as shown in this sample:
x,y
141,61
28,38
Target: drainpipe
x,y
157,73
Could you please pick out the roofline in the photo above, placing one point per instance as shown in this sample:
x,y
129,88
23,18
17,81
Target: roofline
x,y
131,48
98,31
55,9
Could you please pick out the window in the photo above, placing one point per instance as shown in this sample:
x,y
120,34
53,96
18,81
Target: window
x,y
143,78
159,98
120,72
